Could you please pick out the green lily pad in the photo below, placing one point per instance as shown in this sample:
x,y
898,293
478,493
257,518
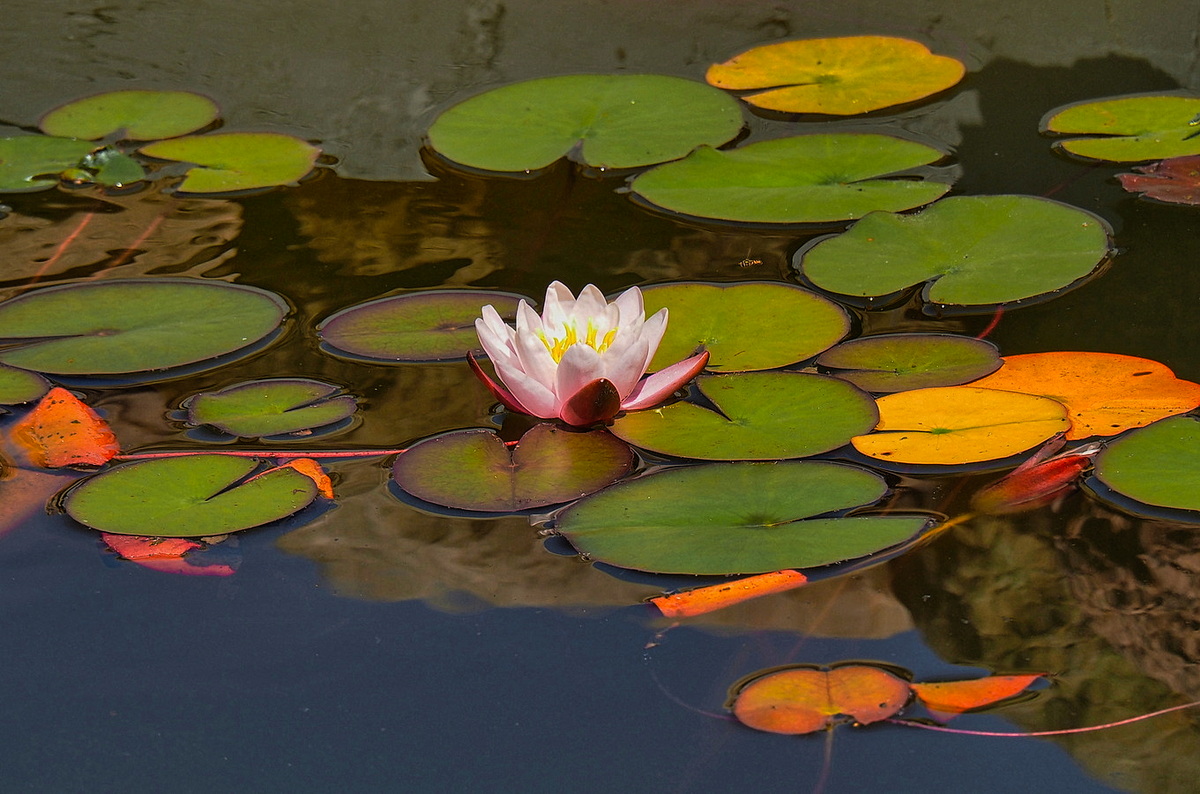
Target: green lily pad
x,y
973,251
138,115
20,386
133,325
735,518
606,121
34,162
112,168
758,416
188,497
271,407
748,326
1129,129
230,161
436,325
804,179
474,470
902,362
1157,465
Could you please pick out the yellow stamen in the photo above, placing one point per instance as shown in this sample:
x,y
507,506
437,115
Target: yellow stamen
x,y
558,345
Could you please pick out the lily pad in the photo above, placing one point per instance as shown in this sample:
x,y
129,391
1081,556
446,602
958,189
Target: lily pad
x,y
735,518
747,326
1156,465
20,386
113,168
837,76
475,470
803,179
435,325
271,407
34,162
231,161
757,416
973,251
188,497
137,115
900,362
1129,129
133,325
606,121
1175,180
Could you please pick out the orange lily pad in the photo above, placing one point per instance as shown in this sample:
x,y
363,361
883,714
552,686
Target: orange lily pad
x,y
1105,393
804,699
62,431
837,76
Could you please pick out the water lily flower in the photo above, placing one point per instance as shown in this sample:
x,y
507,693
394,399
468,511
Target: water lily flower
x,y
582,360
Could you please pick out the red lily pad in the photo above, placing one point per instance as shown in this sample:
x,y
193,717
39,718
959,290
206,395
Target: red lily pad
x,y
1175,180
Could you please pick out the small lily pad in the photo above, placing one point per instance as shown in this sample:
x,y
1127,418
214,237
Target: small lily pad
x,y
900,362
747,326
1157,465
474,470
188,497
136,114
113,168
1129,129
231,161
34,162
434,325
20,386
735,518
803,179
606,121
757,416
271,407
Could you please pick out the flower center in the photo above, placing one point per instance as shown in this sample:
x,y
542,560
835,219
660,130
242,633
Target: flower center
x,y
557,345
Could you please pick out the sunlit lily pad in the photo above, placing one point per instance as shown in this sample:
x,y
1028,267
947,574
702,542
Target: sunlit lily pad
x,y
1156,465
436,325
34,162
230,161
134,325
960,424
474,470
136,114
188,497
271,407
899,362
837,76
749,326
1129,129
973,251
803,179
20,386
730,518
113,168
802,699
606,121
758,416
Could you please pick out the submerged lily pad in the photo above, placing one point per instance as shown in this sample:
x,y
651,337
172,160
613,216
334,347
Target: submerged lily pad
x,y
758,416
435,325
474,470
34,162
271,407
138,115
803,179
20,386
747,326
231,161
837,76
133,325
899,362
188,497
1157,465
973,251
735,518
1129,129
606,121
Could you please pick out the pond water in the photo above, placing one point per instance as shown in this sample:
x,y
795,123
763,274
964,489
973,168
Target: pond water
x,y
369,645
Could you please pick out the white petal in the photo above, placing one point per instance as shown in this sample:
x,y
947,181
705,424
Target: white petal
x,y
557,309
535,359
626,366
579,366
652,333
533,396
630,308
591,307
498,349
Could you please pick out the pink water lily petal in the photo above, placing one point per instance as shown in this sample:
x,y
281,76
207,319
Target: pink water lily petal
x,y
652,332
580,366
499,392
625,367
662,384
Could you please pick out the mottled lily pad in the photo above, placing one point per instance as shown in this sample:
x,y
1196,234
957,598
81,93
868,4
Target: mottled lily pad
x,y
231,161
34,162
136,114
899,362
1157,465
1129,129
271,407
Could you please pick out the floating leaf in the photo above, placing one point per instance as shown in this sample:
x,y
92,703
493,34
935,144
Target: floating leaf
x,y
960,424
230,161
112,168
188,497
1175,180
804,179
973,251
435,325
34,162
803,699
475,470
735,518
63,431
134,325
1105,393
270,407
746,326
1156,465
758,416
134,547
1037,482
312,470
137,115
20,386
837,76
955,697
606,121
898,362
1129,129
710,598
